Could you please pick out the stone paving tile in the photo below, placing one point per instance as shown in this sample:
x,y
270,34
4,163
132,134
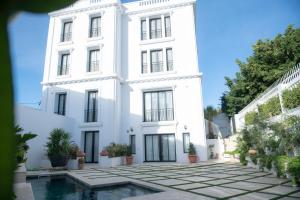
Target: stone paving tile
x,y
219,175
282,190
255,196
218,181
190,186
140,176
240,178
268,180
237,172
259,174
170,182
153,179
297,194
196,178
289,198
247,186
218,192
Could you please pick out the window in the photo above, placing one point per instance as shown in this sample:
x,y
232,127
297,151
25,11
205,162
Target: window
x,y
93,64
132,143
60,104
155,28
91,108
143,30
157,61
167,26
67,31
144,62
158,106
63,68
186,142
95,27
169,58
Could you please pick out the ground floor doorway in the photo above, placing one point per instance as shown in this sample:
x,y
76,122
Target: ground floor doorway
x,y
91,146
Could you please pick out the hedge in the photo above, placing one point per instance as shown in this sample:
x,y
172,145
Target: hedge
x,y
250,117
291,98
270,108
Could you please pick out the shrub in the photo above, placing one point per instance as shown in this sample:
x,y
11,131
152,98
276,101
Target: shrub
x,y
293,169
58,143
270,108
192,149
250,117
116,150
291,98
280,165
73,150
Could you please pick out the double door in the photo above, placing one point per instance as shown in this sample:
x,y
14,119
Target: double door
x,y
160,148
91,146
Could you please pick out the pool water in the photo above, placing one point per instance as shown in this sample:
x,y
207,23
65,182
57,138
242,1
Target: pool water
x,y
65,188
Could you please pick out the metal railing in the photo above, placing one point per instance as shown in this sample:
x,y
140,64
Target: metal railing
x,y
67,36
90,115
153,115
168,31
157,66
93,66
156,33
169,65
144,68
95,32
63,70
143,35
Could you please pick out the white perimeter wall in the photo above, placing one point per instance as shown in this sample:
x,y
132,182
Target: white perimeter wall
x,y
40,123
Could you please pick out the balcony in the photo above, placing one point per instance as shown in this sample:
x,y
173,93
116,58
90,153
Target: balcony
x,y
95,32
154,115
91,115
93,66
65,37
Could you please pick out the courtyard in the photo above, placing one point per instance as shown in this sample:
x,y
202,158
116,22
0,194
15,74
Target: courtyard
x,y
205,180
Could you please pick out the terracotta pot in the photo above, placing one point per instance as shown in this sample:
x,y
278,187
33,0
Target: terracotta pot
x,y
129,160
193,158
81,163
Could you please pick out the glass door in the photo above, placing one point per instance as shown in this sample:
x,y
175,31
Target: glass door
x,y
91,146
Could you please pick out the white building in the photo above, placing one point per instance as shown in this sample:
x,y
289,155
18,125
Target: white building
x,y
127,73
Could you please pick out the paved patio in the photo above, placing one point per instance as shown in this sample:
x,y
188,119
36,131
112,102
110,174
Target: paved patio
x,y
207,180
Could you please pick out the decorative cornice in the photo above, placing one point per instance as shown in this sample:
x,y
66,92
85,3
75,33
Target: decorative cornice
x,y
170,78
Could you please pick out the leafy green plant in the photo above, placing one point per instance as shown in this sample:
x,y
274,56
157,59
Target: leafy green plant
x,y
270,108
58,143
116,150
73,150
293,169
21,142
280,165
291,97
250,117
128,150
192,149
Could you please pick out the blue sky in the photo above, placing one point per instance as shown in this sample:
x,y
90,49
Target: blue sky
x,y
226,30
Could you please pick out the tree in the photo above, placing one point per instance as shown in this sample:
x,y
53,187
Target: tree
x,y
209,113
270,60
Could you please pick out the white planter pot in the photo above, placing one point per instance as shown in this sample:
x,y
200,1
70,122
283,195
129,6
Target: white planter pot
x,y
105,161
20,174
72,164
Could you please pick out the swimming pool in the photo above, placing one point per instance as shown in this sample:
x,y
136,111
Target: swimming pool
x,y
65,188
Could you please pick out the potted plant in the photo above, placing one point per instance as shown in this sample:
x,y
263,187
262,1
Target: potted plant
x,y
112,155
58,147
129,157
73,152
192,153
80,156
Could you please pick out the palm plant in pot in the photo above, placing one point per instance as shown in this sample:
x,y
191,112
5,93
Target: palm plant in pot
x,y
192,153
129,157
58,146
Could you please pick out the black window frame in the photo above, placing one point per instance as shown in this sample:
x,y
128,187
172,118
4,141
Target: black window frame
x,y
63,68
157,33
183,141
159,63
66,36
96,29
90,62
94,110
144,65
170,64
133,147
168,32
57,109
143,32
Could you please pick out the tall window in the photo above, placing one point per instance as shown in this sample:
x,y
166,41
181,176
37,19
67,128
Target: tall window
x,y
186,142
144,62
167,26
155,28
158,106
143,30
95,26
157,61
132,143
63,68
61,104
91,111
169,56
67,31
93,64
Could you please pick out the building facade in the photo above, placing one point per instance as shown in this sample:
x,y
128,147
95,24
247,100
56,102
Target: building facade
x,y
127,73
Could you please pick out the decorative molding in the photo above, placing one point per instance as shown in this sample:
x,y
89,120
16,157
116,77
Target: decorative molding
x,y
171,78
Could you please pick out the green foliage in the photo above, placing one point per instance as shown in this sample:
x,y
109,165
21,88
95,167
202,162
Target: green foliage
x,y
293,169
128,150
291,97
73,150
116,150
250,117
270,60
58,143
192,149
280,165
210,112
270,108
21,143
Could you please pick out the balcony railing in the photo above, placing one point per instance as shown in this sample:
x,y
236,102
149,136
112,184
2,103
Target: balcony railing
x,y
144,68
67,36
156,33
170,65
168,31
95,32
93,66
157,66
143,35
153,115
63,70
91,115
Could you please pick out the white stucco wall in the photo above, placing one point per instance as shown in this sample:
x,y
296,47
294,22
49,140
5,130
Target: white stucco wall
x,y
40,123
